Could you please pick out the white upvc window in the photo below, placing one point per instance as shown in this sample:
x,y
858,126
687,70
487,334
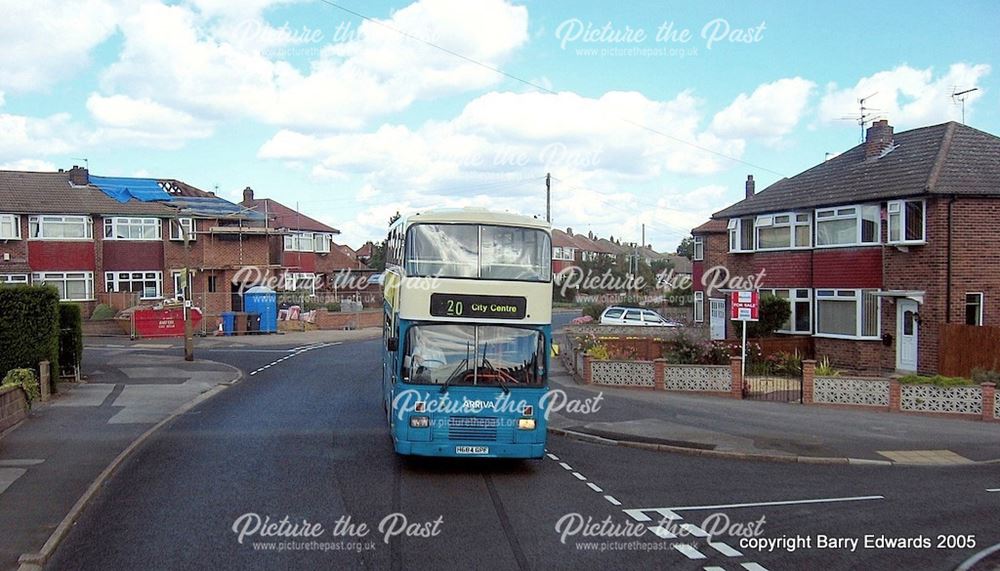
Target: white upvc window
x,y
699,307
784,231
60,228
800,303
299,242
848,313
974,308
72,286
741,234
175,276
149,285
321,243
848,225
10,227
179,226
907,221
14,279
699,249
300,282
122,228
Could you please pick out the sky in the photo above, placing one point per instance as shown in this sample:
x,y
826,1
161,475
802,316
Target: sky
x,y
644,113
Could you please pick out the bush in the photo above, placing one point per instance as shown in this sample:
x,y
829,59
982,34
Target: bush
x,y
594,310
102,312
774,312
70,336
24,378
682,350
825,369
985,376
937,380
333,307
29,327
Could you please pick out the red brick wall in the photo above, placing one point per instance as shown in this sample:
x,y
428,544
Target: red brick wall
x,y
300,261
50,255
125,255
848,268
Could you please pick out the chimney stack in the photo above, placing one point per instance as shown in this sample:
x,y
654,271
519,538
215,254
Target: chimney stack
x,y
569,231
247,195
878,138
750,185
79,176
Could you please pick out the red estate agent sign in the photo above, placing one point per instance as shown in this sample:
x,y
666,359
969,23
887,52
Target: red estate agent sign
x,y
163,322
744,305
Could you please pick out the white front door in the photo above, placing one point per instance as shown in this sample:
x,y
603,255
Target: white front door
x,y
906,335
717,318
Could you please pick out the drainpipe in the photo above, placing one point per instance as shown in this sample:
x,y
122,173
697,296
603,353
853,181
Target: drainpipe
x,y
947,285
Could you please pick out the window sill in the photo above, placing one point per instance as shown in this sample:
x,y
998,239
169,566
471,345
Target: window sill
x,y
133,239
907,243
845,337
61,240
835,246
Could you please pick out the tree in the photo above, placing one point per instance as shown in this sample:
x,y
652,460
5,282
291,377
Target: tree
x,y
377,261
686,248
774,312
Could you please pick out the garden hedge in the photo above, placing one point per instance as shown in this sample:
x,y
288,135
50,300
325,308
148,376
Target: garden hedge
x,y
29,327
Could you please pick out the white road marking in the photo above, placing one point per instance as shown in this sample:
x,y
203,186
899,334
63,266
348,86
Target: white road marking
x,y
662,532
714,568
565,466
724,549
993,489
613,501
759,504
553,457
688,551
694,530
580,476
664,513
595,487
753,567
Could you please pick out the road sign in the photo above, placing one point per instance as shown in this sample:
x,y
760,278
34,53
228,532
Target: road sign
x,y
744,305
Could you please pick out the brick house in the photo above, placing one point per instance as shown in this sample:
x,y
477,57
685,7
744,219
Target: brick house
x,y
310,261
875,248
62,229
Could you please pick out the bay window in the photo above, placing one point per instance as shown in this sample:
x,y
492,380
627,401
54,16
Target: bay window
x,y
149,285
852,313
741,234
784,231
848,225
300,282
119,228
800,303
907,221
72,286
60,228
308,242
10,227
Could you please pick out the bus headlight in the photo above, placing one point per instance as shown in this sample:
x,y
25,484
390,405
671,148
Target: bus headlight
x,y
419,422
525,424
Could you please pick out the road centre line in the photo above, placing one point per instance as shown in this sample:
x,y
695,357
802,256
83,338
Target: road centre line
x,y
758,504
594,487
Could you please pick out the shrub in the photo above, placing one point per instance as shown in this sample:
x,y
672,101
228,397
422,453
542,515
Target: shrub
x,y
102,312
774,312
24,378
29,327
683,350
333,306
70,336
937,380
825,369
594,310
985,376
599,352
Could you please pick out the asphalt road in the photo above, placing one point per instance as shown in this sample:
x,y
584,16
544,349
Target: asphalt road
x,y
306,438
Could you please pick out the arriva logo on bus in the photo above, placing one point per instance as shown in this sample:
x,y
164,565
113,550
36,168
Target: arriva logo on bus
x,y
553,401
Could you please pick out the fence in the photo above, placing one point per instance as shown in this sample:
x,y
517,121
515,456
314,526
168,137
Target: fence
x,y
966,347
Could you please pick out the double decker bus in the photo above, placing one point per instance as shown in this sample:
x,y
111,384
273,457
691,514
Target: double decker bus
x,y
467,333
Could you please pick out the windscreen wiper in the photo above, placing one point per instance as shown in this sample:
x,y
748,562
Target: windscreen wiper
x,y
460,369
487,364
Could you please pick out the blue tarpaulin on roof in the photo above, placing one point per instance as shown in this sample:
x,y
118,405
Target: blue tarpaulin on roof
x,y
122,189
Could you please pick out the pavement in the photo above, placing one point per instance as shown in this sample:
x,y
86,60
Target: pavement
x,y
50,459
715,426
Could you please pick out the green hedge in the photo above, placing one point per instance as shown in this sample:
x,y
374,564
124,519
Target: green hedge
x,y
70,336
29,327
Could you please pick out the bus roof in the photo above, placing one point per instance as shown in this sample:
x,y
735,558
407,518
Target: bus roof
x,y
474,216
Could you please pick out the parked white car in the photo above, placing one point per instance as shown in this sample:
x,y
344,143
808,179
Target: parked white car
x,y
616,315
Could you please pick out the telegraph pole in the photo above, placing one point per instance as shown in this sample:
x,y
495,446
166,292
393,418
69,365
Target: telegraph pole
x,y
186,279
548,197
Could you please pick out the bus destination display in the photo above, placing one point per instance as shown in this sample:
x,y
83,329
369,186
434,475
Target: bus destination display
x,y
478,306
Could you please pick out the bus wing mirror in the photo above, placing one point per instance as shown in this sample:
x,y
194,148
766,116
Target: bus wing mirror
x,y
392,344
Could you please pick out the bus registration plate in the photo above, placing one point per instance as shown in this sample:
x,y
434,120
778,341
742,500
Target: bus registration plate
x,y
472,450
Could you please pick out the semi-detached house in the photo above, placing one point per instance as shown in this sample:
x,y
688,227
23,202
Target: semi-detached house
x,y
875,249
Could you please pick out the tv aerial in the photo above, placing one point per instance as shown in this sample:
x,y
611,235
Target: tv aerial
x,y
864,115
959,97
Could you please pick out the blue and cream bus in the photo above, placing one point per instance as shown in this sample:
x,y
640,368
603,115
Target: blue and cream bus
x,y
467,333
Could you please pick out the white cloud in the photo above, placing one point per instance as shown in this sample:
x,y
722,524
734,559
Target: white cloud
x,y
769,113
143,122
34,165
375,72
906,96
33,136
47,41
